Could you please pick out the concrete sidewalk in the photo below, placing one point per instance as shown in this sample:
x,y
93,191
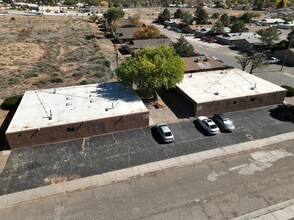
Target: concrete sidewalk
x,y
137,171
280,211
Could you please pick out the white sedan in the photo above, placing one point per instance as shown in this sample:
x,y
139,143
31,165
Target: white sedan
x,y
165,132
274,60
208,125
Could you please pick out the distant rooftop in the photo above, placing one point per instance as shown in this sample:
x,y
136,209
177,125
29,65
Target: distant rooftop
x,y
201,63
64,105
224,84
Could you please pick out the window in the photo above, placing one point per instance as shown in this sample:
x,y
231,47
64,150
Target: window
x,y
98,125
235,102
70,129
146,116
252,99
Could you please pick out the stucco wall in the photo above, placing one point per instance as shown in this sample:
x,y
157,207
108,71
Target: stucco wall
x,y
65,132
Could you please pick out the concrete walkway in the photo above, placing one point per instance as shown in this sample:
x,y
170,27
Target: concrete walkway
x,y
280,211
133,172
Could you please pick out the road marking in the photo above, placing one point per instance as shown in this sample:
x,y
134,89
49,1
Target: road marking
x,y
259,161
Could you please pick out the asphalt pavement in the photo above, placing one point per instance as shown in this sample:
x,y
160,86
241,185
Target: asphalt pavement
x,y
47,164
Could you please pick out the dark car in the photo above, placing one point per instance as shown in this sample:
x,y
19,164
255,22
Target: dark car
x,y
224,123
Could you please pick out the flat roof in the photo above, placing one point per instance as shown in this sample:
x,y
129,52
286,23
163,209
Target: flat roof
x,y
224,84
64,105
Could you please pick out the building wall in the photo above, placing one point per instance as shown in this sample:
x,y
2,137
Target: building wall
x,y
239,103
65,132
236,104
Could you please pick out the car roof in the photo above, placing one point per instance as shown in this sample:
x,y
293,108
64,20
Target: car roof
x,y
163,127
221,116
202,117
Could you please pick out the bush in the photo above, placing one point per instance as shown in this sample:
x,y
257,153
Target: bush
x,y
93,18
290,90
11,102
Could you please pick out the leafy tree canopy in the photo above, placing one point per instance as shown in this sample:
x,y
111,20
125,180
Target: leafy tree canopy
x,y
149,32
218,28
113,14
184,48
135,20
152,68
201,16
225,19
179,13
215,15
246,17
238,26
187,17
269,36
164,16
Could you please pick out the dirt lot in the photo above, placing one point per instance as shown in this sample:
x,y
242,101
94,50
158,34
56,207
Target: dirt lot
x,y
38,52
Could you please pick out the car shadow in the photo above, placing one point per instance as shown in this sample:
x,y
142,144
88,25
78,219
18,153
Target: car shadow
x,y
201,129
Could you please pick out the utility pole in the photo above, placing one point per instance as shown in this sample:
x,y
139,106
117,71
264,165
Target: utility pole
x,y
290,42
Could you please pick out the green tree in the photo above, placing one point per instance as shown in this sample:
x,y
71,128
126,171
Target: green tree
x,y
217,28
149,32
113,14
215,15
268,36
246,17
238,26
187,18
201,16
151,69
164,16
179,13
225,19
184,48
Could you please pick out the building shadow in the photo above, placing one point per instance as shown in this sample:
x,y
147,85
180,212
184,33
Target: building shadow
x,y
175,104
4,144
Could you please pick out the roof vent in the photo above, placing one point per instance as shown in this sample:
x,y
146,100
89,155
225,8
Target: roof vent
x,y
216,93
197,59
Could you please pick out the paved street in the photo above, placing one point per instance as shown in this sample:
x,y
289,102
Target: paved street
x,y
223,188
271,72
44,165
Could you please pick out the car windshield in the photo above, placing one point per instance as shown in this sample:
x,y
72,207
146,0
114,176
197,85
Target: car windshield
x,y
168,134
213,126
227,122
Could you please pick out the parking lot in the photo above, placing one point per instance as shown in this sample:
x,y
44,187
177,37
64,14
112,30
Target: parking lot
x,y
47,164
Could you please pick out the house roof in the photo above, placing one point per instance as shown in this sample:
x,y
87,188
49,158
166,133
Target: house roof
x,y
272,20
141,43
239,36
125,33
203,64
224,84
207,29
73,104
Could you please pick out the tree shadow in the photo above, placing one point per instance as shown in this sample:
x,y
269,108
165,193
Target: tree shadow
x,y
115,92
283,113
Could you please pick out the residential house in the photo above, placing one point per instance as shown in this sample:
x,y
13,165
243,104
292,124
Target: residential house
x,y
239,40
134,45
270,22
202,63
125,34
65,113
221,91
203,32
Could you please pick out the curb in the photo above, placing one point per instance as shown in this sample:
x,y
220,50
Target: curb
x,y
137,171
271,212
